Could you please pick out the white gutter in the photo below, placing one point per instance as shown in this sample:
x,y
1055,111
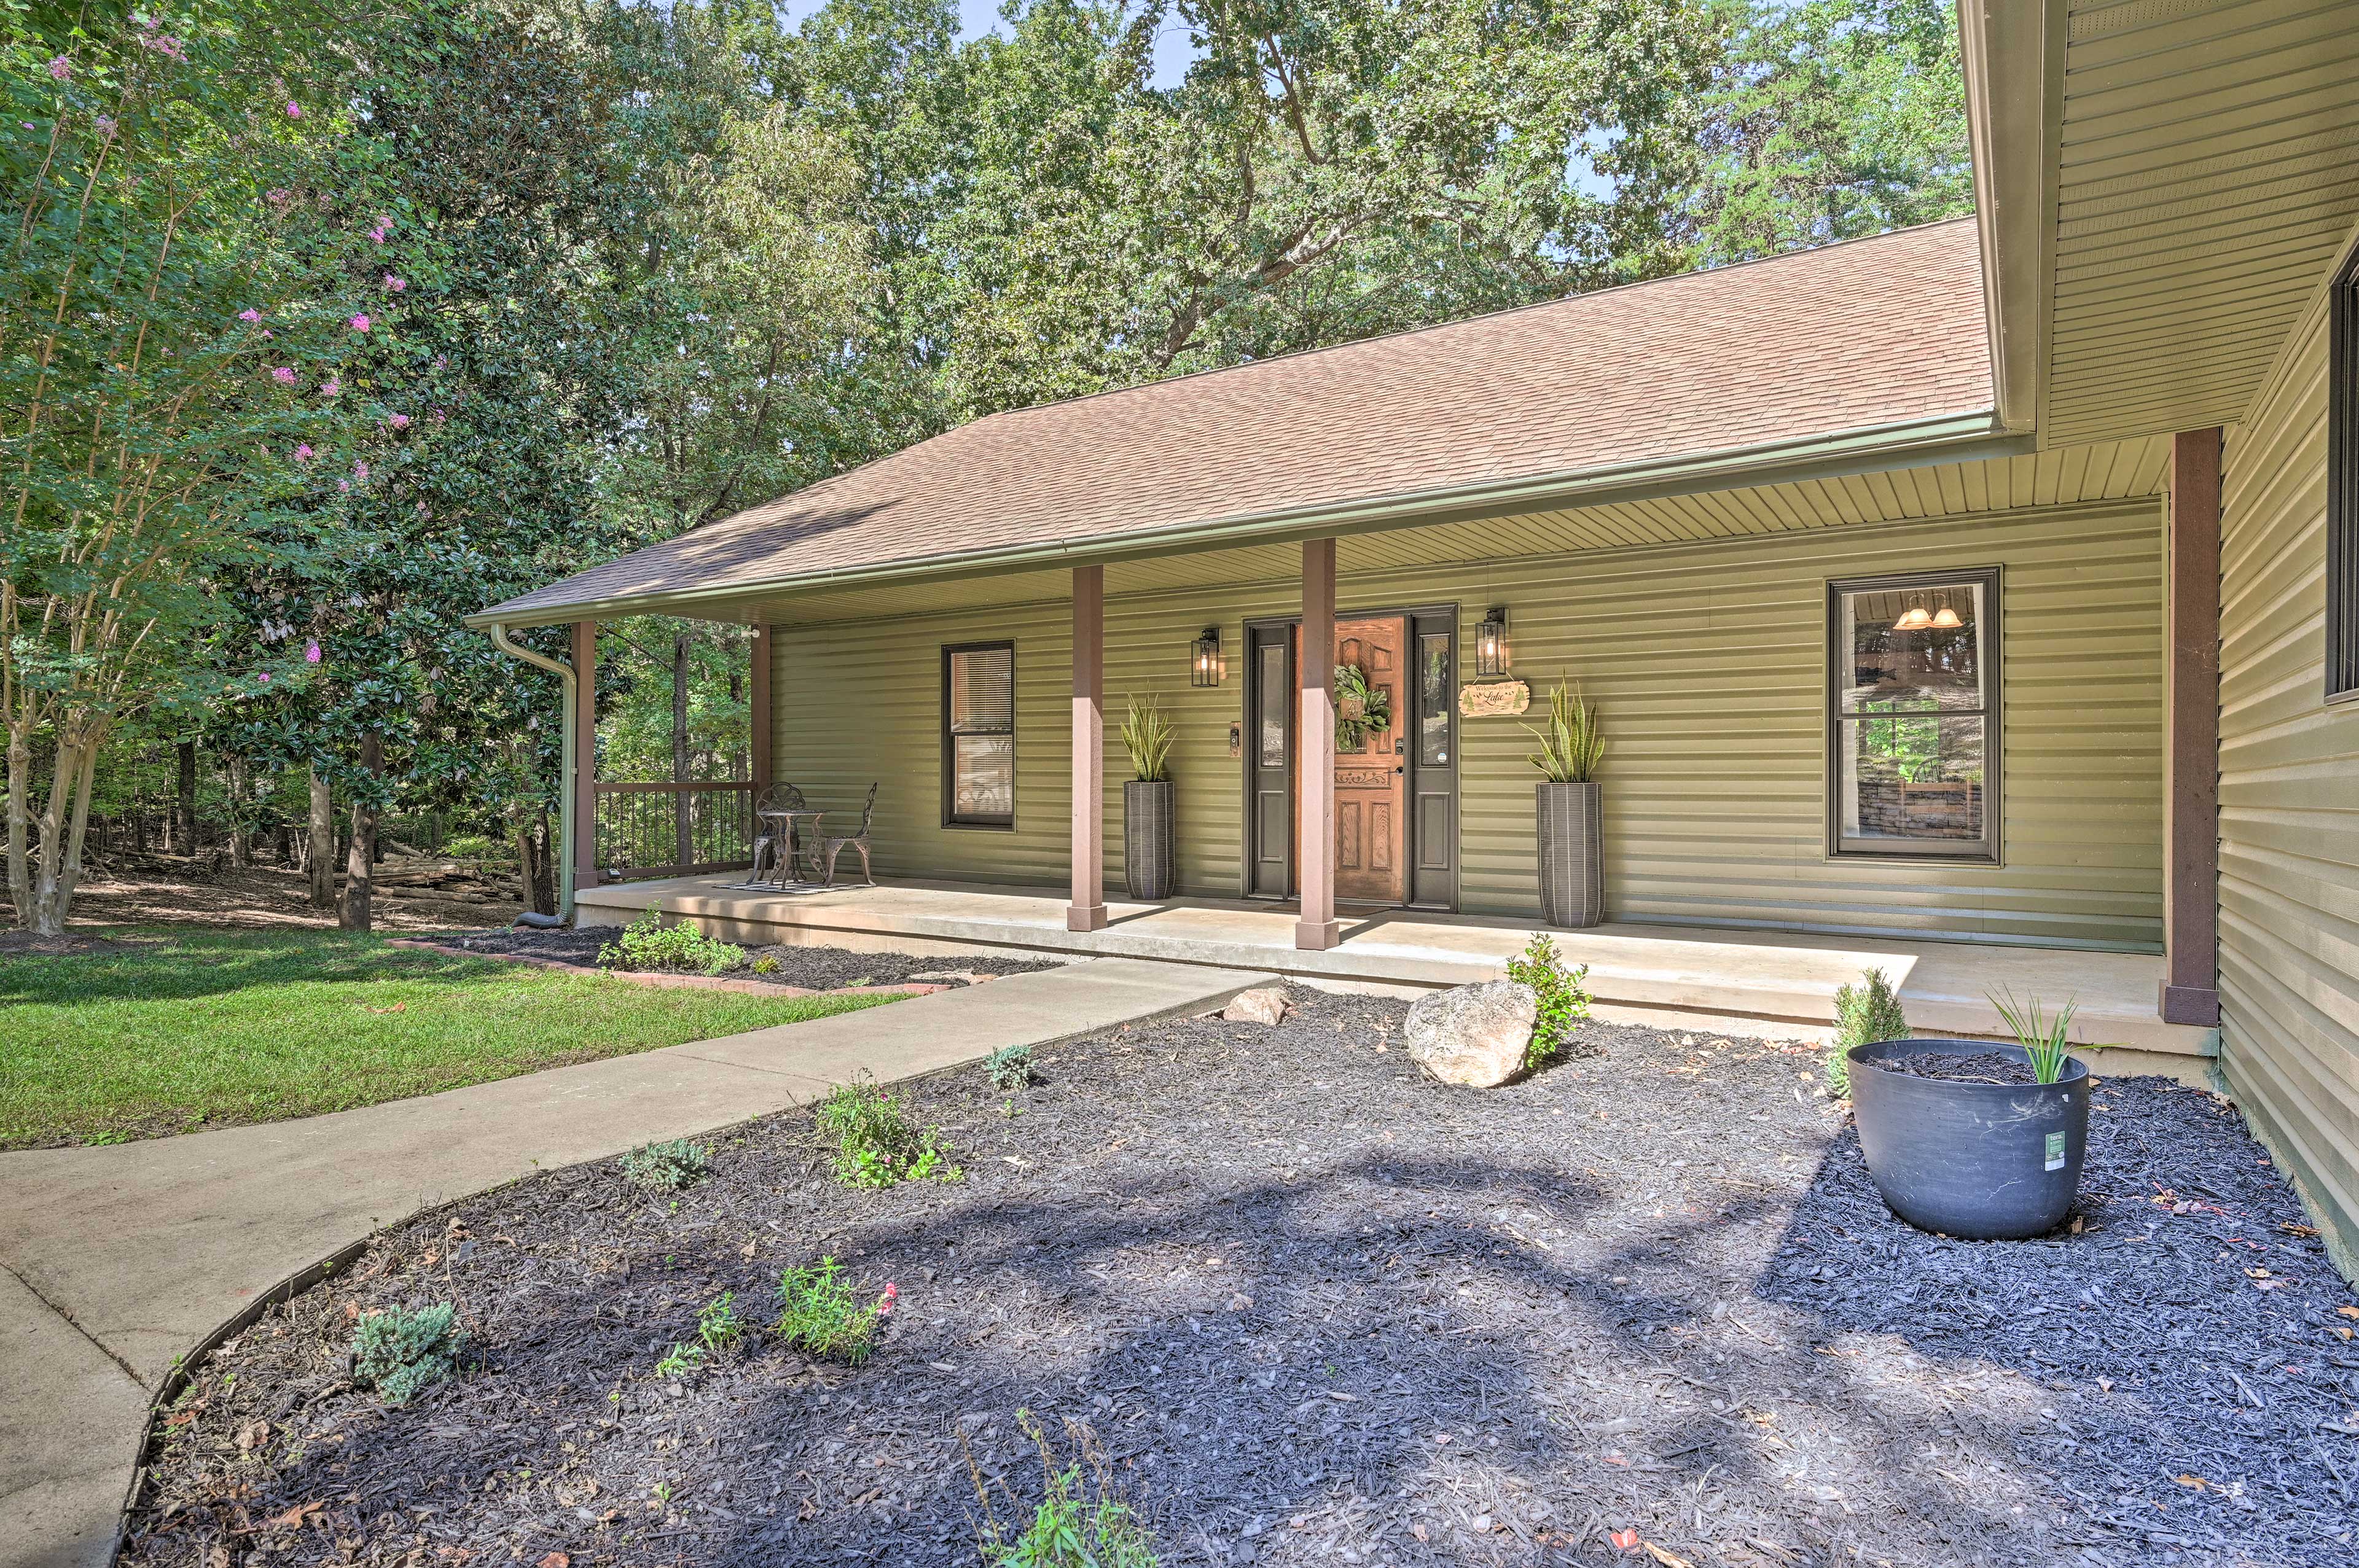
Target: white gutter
x,y
565,825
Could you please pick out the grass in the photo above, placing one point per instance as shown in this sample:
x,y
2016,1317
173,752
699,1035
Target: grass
x,y
201,1027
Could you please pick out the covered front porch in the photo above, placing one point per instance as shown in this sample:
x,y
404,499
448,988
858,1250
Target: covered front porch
x,y
1670,974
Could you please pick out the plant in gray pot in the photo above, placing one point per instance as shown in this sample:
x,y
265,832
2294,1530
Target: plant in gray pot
x,y
1571,840
1149,854
1972,1138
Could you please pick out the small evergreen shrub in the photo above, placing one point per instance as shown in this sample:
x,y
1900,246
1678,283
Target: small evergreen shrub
x,y
1082,1520
1864,1014
821,1316
400,1352
1009,1067
648,942
718,1328
1563,997
668,1167
767,964
877,1143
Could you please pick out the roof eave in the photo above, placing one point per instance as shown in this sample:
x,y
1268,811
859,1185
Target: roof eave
x,y
1946,438
2013,68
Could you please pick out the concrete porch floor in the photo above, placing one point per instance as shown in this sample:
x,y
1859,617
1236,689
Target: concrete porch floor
x,y
1788,978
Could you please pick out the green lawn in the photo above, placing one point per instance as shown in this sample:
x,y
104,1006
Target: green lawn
x,y
206,1028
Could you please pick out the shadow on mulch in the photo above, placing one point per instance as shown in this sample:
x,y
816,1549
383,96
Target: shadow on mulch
x,y
810,969
1318,1310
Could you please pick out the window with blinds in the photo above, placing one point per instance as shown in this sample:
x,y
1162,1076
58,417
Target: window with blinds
x,y
979,735
2342,485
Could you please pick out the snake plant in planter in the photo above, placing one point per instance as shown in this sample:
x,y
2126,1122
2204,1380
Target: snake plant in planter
x,y
1572,846
1149,856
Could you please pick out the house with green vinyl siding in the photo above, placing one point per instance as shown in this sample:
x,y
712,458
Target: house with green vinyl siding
x,y
1993,583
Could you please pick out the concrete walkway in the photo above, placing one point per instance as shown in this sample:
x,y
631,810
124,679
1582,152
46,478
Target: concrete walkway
x,y
115,1262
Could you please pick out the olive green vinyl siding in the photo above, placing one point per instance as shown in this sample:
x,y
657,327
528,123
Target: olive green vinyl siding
x,y
2289,799
1707,661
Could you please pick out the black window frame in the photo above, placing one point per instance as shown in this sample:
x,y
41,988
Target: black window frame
x,y
1990,849
2343,482
993,822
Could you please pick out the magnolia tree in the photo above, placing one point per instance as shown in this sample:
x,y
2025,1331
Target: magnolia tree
x,y
171,322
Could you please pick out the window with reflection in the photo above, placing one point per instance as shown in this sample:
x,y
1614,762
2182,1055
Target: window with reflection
x,y
1434,707
1913,727
979,735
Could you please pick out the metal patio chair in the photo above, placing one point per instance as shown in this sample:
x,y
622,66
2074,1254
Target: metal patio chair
x,y
828,847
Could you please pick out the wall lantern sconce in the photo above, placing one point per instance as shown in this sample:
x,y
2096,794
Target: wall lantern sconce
x,y
1490,643
1207,667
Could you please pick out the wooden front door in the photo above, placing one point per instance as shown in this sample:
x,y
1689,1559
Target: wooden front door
x,y
1370,777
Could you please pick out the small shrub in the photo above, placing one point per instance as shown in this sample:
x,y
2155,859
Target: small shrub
x,y
400,1352
1572,742
1009,1067
1147,736
767,964
1864,1014
1563,998
1082,1520
668,1167
718,1328
821,1316
476,847
2041,1037
648,942
877,1144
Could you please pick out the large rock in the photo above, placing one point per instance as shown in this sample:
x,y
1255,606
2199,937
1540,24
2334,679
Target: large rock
x,y
1473,1035
1263,1004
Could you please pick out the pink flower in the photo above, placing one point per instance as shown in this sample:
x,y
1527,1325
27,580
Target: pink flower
x,y
249,314
163,44
263,679
278,196
399,421
441,361
61,68
885,1302
105,124
344,485
268,333
294,111
312,651
330,387
303,452
358,323
359,470
394,283
283,374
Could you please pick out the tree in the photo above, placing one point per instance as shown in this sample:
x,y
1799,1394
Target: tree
x,y
170,307
1833,119
1327,169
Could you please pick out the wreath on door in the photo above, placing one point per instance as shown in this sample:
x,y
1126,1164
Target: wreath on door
x,y
1361,710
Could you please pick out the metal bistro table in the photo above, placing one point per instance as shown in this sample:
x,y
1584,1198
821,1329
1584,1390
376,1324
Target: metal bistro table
x,y
791,829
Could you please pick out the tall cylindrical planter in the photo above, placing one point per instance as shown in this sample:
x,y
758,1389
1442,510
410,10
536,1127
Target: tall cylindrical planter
x,y
1572,855
1149,856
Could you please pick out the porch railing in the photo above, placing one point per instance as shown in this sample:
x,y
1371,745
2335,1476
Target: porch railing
x,y
673,829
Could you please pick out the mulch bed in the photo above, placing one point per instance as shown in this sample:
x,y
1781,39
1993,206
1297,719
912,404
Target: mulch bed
x,y
1964,1066
809,969
1318,1311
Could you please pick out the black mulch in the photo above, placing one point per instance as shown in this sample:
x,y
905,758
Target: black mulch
x,y
1322,1310
814,968
1964,1067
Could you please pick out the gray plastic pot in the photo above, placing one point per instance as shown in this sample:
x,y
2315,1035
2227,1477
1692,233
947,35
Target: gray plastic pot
x,y
1986,1161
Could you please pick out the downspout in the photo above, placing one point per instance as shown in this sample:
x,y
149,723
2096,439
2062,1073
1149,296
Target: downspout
x,y
564,673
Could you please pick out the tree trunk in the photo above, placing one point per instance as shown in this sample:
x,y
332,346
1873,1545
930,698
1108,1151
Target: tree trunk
x,y
360,862
240,850
536,866
319,859
683,838
43,874
184,801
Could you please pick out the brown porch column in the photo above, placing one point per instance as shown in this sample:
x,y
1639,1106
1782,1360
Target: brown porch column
x,y
762,765
584,848
2191,748
1088,912
1314,772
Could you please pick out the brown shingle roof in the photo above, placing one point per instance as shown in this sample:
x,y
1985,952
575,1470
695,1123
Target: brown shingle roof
x,y
1848,338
